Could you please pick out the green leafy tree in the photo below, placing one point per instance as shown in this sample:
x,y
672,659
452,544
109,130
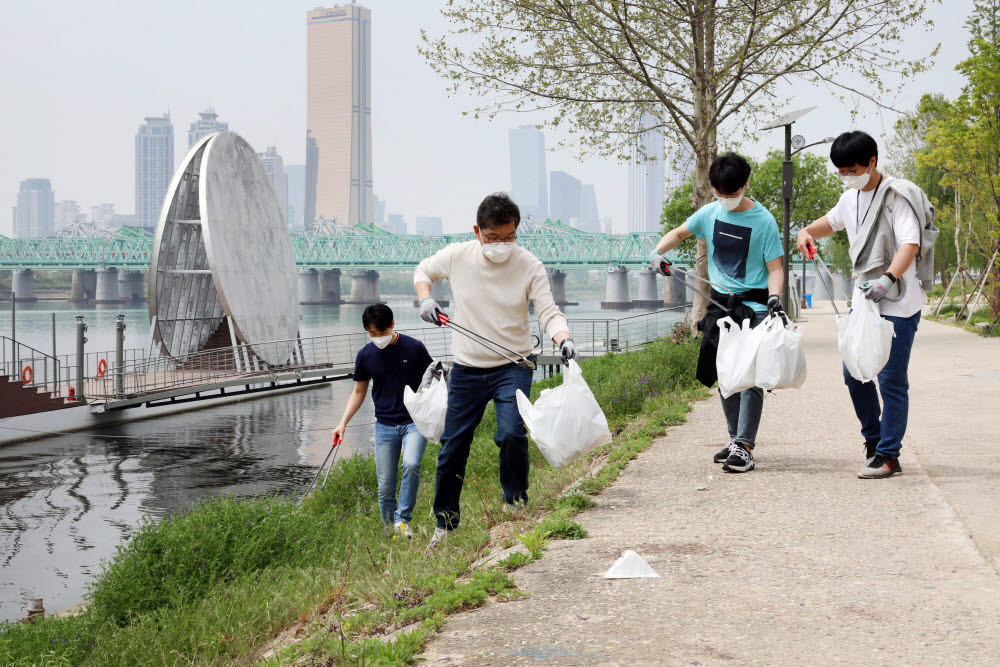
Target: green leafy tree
x,y
964,142
608,70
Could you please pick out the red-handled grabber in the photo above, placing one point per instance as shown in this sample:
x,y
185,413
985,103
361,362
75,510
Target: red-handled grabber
x,y
824,274
336,441
667,268
519,360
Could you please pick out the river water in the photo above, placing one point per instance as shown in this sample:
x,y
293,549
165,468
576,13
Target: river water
x,y
67,502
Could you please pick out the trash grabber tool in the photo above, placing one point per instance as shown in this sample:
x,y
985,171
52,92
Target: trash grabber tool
x,y
667,270
336,441
315,477
520,361
823,272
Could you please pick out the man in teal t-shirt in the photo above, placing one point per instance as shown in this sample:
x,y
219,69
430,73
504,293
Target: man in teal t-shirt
x,y
744,258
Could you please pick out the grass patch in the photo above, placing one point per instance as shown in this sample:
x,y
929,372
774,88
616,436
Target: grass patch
x,y
215,583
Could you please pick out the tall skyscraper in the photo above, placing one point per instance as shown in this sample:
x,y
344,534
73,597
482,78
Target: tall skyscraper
x,y
395,223
680,165
102,215
527,172
429,226
34,215
590,221
154,167
67,213
338,114
296,179
207,123
275,168
646,178
378,208
566,194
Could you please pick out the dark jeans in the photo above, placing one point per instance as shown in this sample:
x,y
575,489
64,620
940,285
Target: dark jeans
x,y
469,391
888,424
743,410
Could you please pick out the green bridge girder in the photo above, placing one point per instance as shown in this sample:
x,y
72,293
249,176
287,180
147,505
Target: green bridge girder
x,y
376,249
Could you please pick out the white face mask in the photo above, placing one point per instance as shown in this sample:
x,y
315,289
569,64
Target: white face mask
x,y
857,181
382,341
730,203
497,252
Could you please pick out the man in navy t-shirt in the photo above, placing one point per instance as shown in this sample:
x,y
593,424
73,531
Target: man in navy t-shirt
x,y
392,361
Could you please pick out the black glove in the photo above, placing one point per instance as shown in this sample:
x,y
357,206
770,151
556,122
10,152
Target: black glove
x,y
568,349
775,309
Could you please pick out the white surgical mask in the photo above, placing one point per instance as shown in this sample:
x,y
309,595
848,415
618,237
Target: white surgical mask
x,y
382,341
730,203
857,181
497,252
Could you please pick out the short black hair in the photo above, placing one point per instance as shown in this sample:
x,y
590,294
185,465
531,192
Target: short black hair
x,y
852,148
378,315
496,210
729,172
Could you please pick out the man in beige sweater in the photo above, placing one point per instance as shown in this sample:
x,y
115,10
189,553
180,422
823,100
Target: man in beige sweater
x,y
492,280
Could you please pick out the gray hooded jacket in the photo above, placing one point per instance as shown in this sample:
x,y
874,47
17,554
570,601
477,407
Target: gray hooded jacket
x,y
875,245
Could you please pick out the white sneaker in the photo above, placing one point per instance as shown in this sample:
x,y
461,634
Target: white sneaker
x,y
440,535
402,529
516,508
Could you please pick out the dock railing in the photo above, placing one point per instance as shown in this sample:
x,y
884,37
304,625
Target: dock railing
x,y
31,368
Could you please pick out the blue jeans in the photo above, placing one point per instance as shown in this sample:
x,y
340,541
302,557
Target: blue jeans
x,y
390,442
887,425
468,393
743,410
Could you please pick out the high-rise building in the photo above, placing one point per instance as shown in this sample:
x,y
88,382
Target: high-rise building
x,y
34,215
207,123
566,193
154,167
378,208
527,172
296,179
590,221
395,223
338,114
429,226
102,215
646,178
275,168
119,220
680,165
67,213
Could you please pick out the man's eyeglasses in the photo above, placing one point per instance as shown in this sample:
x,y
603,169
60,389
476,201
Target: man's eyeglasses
x,y
495,239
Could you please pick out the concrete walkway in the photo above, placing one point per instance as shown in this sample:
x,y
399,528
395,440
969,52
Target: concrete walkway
x,y
797,562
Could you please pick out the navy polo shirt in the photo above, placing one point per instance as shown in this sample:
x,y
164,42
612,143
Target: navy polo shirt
x,y
400,363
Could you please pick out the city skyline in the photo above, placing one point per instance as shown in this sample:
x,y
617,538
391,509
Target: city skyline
x,y
647,176
428,156
154,167
34,214
528,176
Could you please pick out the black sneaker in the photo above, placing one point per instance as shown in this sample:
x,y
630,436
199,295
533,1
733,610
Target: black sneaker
x,y
870,445
740,459
880,467
721,456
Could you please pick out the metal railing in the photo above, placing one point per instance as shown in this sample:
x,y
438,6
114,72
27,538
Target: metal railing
x,y
27,366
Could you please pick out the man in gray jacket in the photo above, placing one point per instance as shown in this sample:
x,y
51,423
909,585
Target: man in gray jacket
x,y
888,223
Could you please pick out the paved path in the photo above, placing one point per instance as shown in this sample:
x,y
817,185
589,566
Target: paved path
x,y
797,562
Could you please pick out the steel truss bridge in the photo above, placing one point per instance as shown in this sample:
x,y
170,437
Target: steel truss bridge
x,y
330,245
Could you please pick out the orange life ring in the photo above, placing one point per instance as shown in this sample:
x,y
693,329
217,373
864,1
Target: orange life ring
x,y
102,367
27,374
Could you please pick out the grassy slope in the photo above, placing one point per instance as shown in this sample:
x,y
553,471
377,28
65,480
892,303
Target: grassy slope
x,y
213,584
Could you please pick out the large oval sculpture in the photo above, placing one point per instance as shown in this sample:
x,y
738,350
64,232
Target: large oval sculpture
x,y
223,267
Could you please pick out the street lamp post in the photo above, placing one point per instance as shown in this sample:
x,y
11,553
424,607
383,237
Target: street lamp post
x,y
787,178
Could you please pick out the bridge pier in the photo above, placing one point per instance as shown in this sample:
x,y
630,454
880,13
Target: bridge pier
x,y
22,284
557,283
131,286
648,296
676,293
84,286
107,286
329,287
309,294
364,287
616,293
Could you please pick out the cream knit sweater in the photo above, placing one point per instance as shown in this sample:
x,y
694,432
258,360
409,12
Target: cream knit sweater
x,y
492,299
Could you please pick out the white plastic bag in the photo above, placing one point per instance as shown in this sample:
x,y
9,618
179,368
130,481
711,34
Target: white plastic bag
x,y
865,340
781,360
428,408
736,360
565,422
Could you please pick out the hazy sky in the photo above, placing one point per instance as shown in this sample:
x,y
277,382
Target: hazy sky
x,y
79,77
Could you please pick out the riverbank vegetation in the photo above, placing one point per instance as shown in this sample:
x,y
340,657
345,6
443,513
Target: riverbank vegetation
x,y
243,580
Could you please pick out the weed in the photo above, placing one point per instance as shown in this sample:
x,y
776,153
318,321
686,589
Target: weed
x,y
573,503
515,560
561,528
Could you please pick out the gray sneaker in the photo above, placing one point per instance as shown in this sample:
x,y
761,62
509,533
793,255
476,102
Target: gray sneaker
x,y
880,467
440,535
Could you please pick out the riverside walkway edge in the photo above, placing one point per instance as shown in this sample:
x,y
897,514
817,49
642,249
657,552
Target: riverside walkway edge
x,y
797,562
